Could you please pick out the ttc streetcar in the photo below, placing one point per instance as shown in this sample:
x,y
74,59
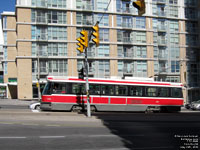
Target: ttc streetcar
x,y
134,94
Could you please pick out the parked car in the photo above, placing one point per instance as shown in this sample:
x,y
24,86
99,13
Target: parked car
x,y
195,105
188,106
35,106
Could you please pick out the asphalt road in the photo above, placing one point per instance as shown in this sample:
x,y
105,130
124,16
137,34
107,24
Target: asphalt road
x,y
21,129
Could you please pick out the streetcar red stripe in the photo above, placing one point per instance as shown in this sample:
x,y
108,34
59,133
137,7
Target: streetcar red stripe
x,y
100,100
118,101
105,100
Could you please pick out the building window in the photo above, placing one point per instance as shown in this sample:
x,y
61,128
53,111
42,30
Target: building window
x,y
125,21
5,38
84,19
140,37
124,36
5,68
12,79
40,49
38,33
102,5
57,67
4,22
140,22
174,26
124,6
125,51
174,39
84,4
38,16
103,68
57,33
5,53
173,2
141,66
175,67
104,35
125,67
103,51
175,52
57,3
43,67
39,3
58,17
104,21
141,52
173,11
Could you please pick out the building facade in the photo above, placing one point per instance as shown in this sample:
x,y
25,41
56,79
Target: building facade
x,y
162,44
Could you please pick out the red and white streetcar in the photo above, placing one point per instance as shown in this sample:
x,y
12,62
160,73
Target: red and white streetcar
x,y
135,94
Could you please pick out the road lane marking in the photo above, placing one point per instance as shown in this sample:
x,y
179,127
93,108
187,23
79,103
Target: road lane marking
x,y
51,137
14,137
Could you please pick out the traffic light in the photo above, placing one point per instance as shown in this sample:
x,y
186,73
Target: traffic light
x,y
83,41
140,5
95,33
80,48
37,84
81,74
84,38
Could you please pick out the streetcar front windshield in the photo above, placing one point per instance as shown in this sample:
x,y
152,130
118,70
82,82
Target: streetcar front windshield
x,y
47,89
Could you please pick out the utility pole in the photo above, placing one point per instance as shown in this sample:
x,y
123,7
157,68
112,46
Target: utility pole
x,y
38,70
87,85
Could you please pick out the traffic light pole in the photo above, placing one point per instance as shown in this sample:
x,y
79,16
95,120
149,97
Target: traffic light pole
x,y
87,82
87,85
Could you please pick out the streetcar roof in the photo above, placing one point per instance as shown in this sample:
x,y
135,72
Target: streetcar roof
x,y
132,81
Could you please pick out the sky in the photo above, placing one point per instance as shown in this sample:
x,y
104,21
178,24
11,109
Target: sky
x,y
7,5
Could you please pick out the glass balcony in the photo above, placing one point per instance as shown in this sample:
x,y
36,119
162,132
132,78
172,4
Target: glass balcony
x,y
128,55
161,14
87,7
162,56
42,36
161,1
41,3
127,40
87,22
91,70
41,19
127,25
161,28
43,70
162,42
127,70
162,70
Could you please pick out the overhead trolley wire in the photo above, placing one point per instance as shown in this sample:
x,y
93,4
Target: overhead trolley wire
x,y
104,12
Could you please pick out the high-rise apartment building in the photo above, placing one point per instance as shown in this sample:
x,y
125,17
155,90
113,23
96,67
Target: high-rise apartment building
x,y
162,44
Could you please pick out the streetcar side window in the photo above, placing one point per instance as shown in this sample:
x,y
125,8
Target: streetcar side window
x,y
59,88
95,89
151,91
47,89
176,92
107,89
78,88
135,90
121,90
163,92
